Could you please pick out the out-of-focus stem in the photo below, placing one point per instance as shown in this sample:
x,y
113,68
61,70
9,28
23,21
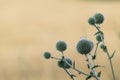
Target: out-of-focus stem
x,y
55,58
108,54
111,65
80,72
95,53
69,73
91,65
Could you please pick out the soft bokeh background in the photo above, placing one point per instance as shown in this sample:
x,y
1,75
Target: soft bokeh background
x,y
30,27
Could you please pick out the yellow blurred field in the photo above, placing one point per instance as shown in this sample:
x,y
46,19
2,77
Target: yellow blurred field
x,y
30,27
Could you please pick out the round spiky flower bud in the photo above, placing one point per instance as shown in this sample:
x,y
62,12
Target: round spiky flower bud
x,y
61,63
47,55
65,63
99,37
61,46
103,47
91,21
84,46
99,18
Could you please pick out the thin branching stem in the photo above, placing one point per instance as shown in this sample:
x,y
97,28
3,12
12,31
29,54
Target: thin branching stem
x,y
80,72
69,73
55,58
111,65
108,54
91,65
95,53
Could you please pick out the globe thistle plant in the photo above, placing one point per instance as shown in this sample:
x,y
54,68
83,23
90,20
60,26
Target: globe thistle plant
x,y
85,47
99,19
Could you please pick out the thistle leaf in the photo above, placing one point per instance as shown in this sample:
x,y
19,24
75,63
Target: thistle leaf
x,y
88,77
94,57
99,32
96,66
88,66
99,74
112,55
91,73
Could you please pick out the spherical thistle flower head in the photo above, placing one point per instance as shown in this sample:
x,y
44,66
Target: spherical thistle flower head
x,y
61,63
47,55
99,18
91,21
65,63
84,46
99,37
61,46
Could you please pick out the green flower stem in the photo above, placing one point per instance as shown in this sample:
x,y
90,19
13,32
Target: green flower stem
x,y
92,62
91,65
63,55
80,72
108,54
55,58
69,73
95,53
98,28
111,65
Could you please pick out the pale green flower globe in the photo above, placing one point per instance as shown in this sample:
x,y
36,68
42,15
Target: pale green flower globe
x,y
61,46
91,21
47,55
99,18
84,46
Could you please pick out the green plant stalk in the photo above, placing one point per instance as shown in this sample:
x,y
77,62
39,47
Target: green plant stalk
x,y
55,58
91,65
94,65
80,72
110,61
69,73
108,54
95,53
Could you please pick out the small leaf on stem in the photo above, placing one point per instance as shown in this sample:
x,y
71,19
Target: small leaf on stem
x,y
88,77
99,32
96,66
94,57
112,55
99,74
88,66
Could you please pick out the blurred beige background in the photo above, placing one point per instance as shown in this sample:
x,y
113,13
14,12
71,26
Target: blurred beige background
x,y
30,27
